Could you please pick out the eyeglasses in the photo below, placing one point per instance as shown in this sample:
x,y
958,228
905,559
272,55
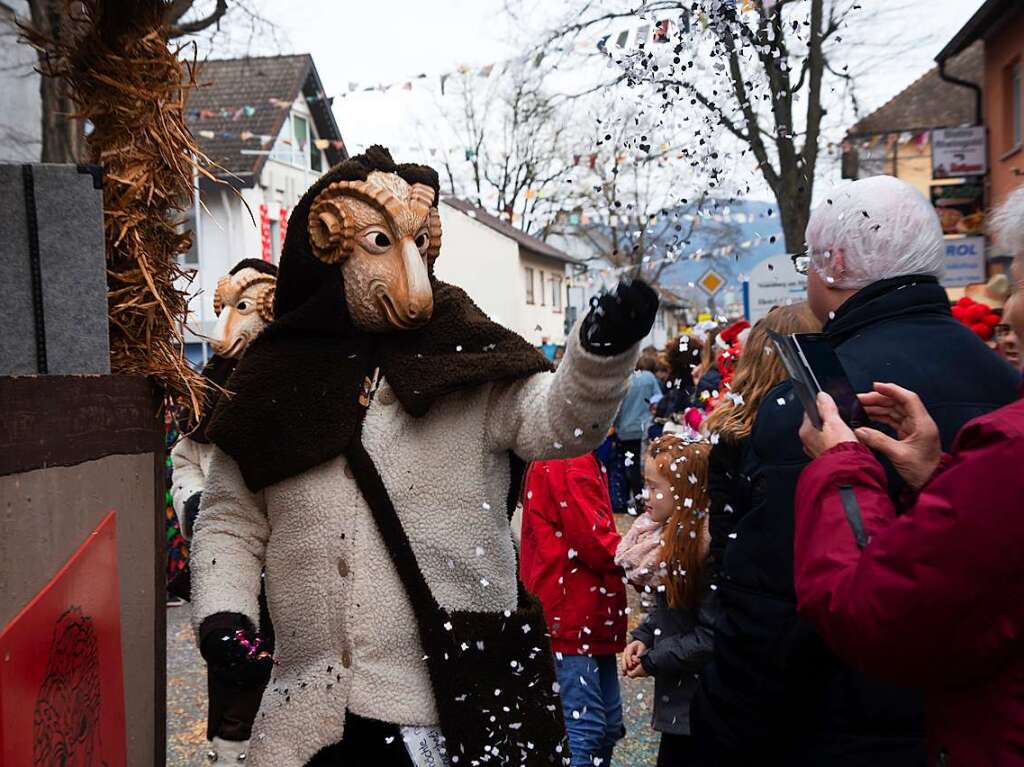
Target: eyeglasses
x,y
801,262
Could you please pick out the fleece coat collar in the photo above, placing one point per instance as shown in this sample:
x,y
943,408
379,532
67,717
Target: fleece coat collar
x,y
296,401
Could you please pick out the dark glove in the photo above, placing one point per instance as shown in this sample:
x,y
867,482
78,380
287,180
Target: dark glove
x,y
191,512
620,319
232,648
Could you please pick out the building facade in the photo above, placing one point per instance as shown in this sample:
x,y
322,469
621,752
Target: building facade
x,y
269,132
951,134
516,279
998,26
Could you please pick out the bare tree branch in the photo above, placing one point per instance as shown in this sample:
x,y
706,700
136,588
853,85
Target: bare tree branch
x,y
178,29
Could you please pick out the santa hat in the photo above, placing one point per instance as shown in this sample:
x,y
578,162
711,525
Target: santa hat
x,y
730,335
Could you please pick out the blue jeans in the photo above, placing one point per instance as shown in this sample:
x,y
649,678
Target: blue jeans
x,y
589,686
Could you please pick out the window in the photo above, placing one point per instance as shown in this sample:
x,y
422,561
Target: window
x,y
294,144
282,151
528,272
542,299
300,141
1015,105
556,293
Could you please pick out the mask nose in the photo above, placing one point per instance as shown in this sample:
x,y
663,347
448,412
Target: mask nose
x,y
420,304
220,340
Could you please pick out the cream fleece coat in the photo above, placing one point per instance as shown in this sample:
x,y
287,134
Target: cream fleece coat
x,y
190,463
345,631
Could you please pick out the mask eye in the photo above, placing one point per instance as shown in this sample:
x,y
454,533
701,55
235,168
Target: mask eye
x,y
243,305
422,241
375,240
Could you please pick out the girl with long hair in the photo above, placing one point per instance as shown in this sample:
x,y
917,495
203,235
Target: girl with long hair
x,y
674,641
728,427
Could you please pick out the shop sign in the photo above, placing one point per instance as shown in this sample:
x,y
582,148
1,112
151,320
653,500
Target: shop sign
x,y
958,152
965,261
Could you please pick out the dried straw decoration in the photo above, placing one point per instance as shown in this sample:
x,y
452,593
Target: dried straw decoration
x,y
132,87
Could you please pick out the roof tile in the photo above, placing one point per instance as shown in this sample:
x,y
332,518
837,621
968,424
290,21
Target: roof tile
x,y
526,241
930,102
232,84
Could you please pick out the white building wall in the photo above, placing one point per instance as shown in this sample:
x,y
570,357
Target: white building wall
x,y
485,264
543,318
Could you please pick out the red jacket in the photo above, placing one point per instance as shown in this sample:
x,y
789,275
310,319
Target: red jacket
x,y
567,556
935,599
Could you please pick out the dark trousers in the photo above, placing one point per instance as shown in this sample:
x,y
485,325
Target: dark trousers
x,y
676,751
365,742
634,474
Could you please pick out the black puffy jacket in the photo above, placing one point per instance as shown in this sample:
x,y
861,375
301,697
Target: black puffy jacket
x,y
773,693
729,492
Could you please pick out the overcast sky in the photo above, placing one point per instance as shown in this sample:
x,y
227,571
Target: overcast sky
x,y
386,40
375,41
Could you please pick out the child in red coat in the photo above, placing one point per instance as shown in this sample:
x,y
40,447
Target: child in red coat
x,y
567,559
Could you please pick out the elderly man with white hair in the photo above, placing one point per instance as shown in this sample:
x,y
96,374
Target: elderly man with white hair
x,y
774,693
948,565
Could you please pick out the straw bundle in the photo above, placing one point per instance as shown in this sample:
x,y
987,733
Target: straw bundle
x,y
132,87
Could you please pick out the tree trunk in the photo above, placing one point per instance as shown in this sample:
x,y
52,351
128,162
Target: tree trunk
x,y
794,200
63,137
794,215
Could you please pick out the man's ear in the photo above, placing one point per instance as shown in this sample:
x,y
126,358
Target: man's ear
x,y
837,266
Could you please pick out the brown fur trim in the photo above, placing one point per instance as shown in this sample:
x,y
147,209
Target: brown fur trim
x,y
297,387
217,371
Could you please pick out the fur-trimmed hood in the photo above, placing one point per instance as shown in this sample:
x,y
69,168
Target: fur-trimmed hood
x,y
296,391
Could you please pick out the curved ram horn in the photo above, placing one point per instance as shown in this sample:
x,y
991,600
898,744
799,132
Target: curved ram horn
x,y
218,294
256,279
434,232
265,302
330,232
422,195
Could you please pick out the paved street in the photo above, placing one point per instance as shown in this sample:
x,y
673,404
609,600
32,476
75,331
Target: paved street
x,y
186,695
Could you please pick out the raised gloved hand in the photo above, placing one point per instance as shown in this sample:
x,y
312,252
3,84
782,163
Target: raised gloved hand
x,y
231,647
619,319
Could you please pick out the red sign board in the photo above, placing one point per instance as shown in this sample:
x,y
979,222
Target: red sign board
x,y
265,243
61,689
284,225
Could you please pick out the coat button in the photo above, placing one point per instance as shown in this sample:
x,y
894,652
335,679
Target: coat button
x,y
342,568
346,659
386,395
